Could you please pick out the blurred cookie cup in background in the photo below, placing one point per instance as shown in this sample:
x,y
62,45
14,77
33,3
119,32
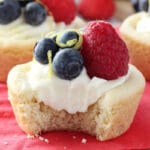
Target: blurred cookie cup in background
x,y
22,23
135,30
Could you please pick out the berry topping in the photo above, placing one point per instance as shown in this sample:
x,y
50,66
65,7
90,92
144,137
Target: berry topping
x,y
143,5
105,55
41,50
135,4
62,10
9,11
35,13
140,5
24,2
67,63
96,9
69,38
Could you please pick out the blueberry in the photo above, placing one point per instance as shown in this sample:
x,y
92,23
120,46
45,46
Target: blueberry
x,y
41,49
140,5
35,13
67,63
143,5
9,11
68,39
24,2
135,4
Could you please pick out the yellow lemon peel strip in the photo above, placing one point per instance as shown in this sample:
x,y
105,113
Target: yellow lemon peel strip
x,y
49,54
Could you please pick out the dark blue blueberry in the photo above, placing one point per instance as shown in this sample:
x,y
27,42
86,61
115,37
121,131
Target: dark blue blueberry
x,y
24,2
143,5
67,63
140,5
41,49
135,4
68,39
9,11
35,13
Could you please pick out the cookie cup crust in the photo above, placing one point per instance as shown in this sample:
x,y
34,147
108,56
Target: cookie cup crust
x,y
138,43
13,53
108,118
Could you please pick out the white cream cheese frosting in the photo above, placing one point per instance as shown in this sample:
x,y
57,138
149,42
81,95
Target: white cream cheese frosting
x,y
20,30
143,25
73,96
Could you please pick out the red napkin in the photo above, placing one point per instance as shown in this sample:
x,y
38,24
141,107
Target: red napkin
x,y
12,138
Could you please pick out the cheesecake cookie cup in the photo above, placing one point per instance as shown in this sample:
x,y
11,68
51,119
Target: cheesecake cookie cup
x,y
77,81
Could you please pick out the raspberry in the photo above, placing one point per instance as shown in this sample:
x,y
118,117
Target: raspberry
x,y
96,9
62,10
105,54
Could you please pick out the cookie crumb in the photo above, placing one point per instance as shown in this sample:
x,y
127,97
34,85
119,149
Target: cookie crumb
x,y
41,138
46,140
29,136
5,143
84,141
74,137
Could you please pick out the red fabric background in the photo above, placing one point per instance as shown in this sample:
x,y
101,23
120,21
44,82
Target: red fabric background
x,y
12,138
